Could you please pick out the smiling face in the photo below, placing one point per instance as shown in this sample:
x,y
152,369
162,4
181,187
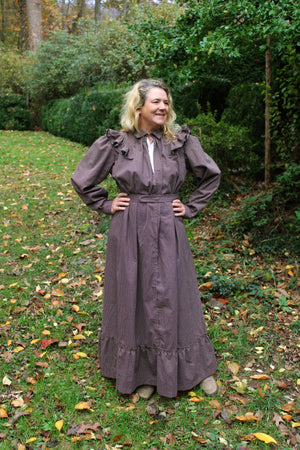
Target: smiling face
x,y
154,112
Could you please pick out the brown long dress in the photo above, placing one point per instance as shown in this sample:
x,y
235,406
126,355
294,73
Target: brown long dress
x,y
153,329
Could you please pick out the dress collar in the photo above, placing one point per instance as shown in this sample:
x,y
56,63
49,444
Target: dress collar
x,y
157,133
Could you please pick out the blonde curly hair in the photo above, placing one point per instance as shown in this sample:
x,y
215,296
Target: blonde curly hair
x,y
135,99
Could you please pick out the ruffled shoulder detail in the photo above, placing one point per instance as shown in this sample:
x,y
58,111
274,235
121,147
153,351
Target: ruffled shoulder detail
x,y
118,141
181,137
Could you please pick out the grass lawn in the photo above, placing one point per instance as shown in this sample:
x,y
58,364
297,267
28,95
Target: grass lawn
x,y
52,259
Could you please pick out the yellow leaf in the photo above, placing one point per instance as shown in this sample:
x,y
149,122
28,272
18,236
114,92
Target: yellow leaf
x,y
99,278
47,296
18,349
76,308
83,405
248,417
79,336
18,402
46,332
298,382
57,293
192,394
129,408
91,388
59,424
3,413
34,341
30,440
258,330
265,438
62,274
6,381
260,377
80,355
196,399
295,424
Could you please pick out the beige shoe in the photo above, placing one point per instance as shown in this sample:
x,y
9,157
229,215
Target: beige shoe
x,y
209,386
145,391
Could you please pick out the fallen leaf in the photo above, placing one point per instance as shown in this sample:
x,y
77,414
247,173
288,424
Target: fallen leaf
x,y
171,438
46,342
265,438
277,419
79,336
57,293
260,377
18,349
215,404
248,417
76,308
6,381
295,424
81,428
30,440
233,367
80,355
46,332
21,447
84,405
288,407
196,399
205,286
59,424
18,402
3,414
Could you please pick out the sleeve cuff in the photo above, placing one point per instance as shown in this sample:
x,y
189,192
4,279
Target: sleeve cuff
x,y
107,207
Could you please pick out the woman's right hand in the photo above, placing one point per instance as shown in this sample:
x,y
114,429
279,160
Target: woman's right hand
x,y
120,202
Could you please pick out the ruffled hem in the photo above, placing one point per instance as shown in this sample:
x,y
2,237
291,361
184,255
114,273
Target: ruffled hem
x,y
169,372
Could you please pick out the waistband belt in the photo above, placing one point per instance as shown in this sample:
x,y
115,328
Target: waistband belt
x,y
152,198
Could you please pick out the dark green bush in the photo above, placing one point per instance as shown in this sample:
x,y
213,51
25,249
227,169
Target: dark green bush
x,y
14,112
84,117
245,107
190,98
229,145
271,216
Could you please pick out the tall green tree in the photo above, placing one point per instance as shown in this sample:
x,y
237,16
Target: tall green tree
x,y
226,40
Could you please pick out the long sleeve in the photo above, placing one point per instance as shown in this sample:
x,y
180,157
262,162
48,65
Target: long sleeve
x,y
92,170
207,173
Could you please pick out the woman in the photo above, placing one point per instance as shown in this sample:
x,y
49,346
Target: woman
x,y
153,331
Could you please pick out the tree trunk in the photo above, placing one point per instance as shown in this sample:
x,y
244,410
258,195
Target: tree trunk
x,y
34,16
3,21
22,44
268,113
97,11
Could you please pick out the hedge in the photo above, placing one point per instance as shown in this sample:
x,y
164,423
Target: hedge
x,y
14,113
83,117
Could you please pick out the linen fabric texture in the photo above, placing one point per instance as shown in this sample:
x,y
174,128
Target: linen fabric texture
x,y
153,330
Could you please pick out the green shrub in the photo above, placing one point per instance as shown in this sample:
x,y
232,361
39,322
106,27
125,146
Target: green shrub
x,y
229,145
245,107
271,216
14,113
15,71
84,117
209,92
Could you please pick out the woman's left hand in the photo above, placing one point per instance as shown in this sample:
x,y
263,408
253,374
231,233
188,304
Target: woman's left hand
x,y
178,208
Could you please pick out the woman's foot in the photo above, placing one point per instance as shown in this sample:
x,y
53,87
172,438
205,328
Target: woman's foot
x,y
145,391
209,386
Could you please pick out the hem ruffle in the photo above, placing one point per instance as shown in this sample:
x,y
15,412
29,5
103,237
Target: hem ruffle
x,y
168,371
